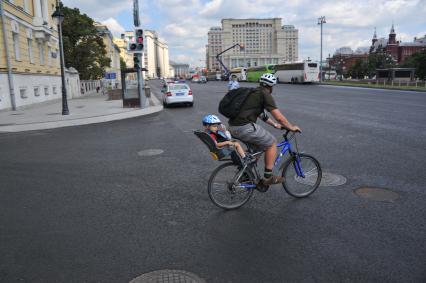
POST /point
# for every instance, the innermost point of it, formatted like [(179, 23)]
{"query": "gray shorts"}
[(253, 134)]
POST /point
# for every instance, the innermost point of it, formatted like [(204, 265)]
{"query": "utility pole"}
[(136, 22), (329, 66), (321, 21)]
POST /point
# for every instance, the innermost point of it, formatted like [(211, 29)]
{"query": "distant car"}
[(202, 80), (177, 93)]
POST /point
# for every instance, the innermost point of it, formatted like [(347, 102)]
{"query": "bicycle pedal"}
[(262, 188)]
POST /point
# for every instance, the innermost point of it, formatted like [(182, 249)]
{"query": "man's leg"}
[(270, 155)]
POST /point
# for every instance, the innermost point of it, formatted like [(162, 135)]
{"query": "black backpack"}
[(231, 103)]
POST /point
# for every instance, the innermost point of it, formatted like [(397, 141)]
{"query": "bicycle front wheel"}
[(302, 175), (227, 192)]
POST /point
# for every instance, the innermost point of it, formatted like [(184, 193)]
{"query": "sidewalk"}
[(86, 110)]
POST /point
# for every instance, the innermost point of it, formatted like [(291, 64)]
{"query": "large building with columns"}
[(265, 41), (29, 53)]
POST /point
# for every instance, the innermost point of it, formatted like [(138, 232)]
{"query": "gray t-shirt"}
[(258, 100)]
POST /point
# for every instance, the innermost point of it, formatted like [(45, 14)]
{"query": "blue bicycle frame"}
[(286, 146)]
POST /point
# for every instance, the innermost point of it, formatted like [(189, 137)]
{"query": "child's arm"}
[(220, 144)]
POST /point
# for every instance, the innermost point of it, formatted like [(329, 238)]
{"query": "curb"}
[(372, 87), (86, 120)]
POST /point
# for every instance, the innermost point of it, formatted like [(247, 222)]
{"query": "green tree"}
[(358, 70), (84, 48), (379, 60), (418, 61)]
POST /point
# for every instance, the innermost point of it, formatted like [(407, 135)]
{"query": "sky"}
[(184, 24)]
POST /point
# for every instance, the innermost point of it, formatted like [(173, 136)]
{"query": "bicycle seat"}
[(215, 152)]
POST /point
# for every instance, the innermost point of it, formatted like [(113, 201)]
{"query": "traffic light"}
[(137, 45), (136, 61), (131, 46), (139, 39)]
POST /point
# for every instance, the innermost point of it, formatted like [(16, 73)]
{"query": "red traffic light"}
[(139, 39)]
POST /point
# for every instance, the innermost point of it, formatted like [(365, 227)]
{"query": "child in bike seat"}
[(222, 139)]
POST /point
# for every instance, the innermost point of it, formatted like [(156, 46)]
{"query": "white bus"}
[(240, 72), (302, 72)]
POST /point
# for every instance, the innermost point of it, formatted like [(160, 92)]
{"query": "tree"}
[(84, 48), (379, 60), (358, 70), (418, 61)]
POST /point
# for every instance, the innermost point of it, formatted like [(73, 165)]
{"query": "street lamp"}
[(321, 21), (58, 16), (329, 66)]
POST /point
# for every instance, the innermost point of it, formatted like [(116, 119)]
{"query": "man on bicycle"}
[(244, 127)]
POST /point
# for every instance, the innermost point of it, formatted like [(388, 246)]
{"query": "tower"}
[(373, 41), (392, 36), (392, 46)]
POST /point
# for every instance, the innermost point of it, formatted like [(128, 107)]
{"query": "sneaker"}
[(262, 187), (272, 180), (248, 159)]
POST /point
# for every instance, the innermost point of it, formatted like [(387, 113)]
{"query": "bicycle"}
[(232, 184)]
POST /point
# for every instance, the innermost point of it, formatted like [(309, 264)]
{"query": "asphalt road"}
[(84, 204)]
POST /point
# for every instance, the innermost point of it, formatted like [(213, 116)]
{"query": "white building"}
[(265, 41), (213, 48)]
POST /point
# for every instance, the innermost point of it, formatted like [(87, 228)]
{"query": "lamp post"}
[(329, 66), (321, 21), (58, 16)]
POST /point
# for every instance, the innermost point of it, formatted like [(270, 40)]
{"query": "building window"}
[(54, 90), (46, 90), (30, 50), (23, 92), (26, 6), (41, 53), (16, 46), (36, 91)]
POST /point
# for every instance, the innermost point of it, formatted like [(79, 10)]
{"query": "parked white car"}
[(179, 93)]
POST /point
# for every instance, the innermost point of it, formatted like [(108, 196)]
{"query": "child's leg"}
[(240, 150)]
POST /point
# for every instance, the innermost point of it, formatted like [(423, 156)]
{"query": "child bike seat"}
[(215, 152)]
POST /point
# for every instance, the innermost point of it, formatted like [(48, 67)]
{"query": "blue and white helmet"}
[(268, 79), (211, 119)]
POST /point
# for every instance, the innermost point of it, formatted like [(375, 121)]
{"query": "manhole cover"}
[(377, 194), (17, 114), (80, 106), (328, 179), (169, 276), (150, 152)]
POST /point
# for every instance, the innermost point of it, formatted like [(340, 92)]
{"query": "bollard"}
[(147, 91)]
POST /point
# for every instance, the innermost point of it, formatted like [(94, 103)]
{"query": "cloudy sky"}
[(184, 24)]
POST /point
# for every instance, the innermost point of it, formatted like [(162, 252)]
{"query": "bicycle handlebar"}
[(287, 131)]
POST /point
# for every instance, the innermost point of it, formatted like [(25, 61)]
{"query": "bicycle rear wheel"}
[(302, 175), (222, 189)]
